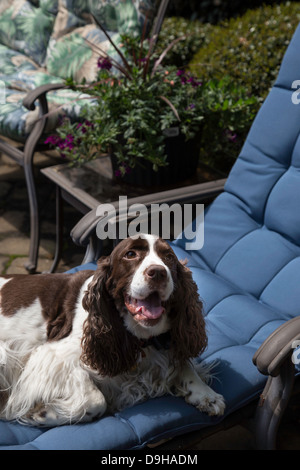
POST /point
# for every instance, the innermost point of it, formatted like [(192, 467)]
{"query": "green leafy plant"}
[(230, 113), (131, 111)]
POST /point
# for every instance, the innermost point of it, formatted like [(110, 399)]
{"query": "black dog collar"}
[(162, 341)]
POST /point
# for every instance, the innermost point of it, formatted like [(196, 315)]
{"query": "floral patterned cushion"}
[(16, 121), (45, 41), (20, 72), (18, 75), (27, 28), (77, 42)]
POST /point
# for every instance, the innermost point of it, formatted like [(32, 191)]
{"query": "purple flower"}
[(182, 75), (185, 78), (48, 140), (56, 141), (231, 136), (53, 140), (84, 127), (191, 106), (69, 141), (123, 170), (89, 124), (61, 144), (194, 82), (104, 63)]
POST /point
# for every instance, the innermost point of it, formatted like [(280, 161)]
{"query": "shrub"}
[(249, 49), (228, 110), (213, 11), (228, 118), (197, 36)]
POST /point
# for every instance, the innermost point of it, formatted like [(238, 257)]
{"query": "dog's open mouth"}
[(149, 308)]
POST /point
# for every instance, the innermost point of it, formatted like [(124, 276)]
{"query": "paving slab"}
[(5, 187), (11, 173), (19, 245), (3, 262), (11, 221), (17, 265)]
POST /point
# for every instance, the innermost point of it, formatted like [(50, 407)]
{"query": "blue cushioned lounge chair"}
[(248, 275)]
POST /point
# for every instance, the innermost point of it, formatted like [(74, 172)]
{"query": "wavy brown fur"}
[(188, 327), (107, 345)]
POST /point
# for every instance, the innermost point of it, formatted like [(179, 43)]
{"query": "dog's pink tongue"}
[(151, 306)]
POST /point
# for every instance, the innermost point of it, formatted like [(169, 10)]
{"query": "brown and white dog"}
[(73, 346)]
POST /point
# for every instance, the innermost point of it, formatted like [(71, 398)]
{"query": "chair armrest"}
[(277, 348), (40, 92), (82, 231)]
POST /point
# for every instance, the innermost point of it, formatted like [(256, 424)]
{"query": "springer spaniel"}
[(73, 346)]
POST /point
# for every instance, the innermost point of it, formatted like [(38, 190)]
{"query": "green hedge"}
[(247, 51), (197, 36), (213, 11)]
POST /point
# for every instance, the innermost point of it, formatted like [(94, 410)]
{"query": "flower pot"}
[(182, 158)]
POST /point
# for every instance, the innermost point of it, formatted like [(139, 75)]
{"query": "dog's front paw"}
[(42, 415), (207, 401)]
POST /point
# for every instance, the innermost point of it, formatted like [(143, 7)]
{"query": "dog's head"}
[(140, 291)]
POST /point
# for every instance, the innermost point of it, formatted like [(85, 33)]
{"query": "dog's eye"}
[(130, 254), (169, 256)]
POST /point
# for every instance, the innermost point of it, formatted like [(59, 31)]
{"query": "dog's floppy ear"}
[(188, 333), (107, 346)]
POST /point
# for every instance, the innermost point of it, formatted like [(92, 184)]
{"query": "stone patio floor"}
[(15, 221), (14, 246)]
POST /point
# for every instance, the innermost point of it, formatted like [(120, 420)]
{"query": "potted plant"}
[(145, 116)]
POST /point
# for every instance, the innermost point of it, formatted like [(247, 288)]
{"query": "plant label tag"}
[(171, 132)]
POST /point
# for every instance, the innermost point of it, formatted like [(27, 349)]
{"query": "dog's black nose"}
[(155, 272)]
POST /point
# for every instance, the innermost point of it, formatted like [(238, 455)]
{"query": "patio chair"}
[(248, 275), (35, 61)]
